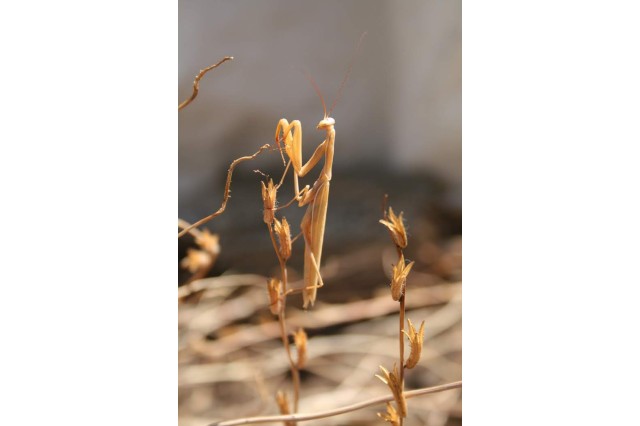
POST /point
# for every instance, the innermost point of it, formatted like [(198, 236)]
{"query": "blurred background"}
[(398, 132)]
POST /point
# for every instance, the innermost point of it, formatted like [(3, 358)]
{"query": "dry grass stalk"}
[(416, 340), (196, 82), (279, 291), (395, 225)]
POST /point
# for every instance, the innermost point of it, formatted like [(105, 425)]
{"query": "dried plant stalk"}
[(393, 380), (283, 251), (196, 82), (227, 189), (395, 225)]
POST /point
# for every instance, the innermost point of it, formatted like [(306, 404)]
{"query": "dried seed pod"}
[(283, 402), (284, 237), (300, 339), (391, 416), (269, 200), (396, 227), (208, 241), (399, 279), (416, 339), (393, 381), (274, 286), (283, 406), (196, 260)]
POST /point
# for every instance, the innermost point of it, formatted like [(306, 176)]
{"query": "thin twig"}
[(401, 333), (227, 187), (295, 373), (183, 224), (401, 324), (401, 316), (196, 82), (336, 411)]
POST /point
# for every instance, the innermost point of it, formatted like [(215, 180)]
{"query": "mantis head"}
[(326, 123)]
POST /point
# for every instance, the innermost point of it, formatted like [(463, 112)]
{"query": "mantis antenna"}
[(342, 84), (346, 76), (317, 89)]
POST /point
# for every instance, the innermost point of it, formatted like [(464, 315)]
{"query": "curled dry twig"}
[(337, 411), (227, 187), (196, 82)]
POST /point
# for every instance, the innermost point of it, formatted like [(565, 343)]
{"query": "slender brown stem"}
[(401, 330), (336, 411), (195, 232), (295, 373), (227, 188), (196, 82), (401, 337)]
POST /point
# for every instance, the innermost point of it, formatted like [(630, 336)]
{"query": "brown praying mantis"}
[(316, 197)]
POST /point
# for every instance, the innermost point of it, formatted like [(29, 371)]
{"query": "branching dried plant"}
[(395, 380), (227, 191), (279, 289), (199, 262)]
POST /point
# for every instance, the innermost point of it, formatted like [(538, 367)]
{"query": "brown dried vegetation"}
[(222, 347)]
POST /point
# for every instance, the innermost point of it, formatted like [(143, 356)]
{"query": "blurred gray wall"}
[(400, 109)]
